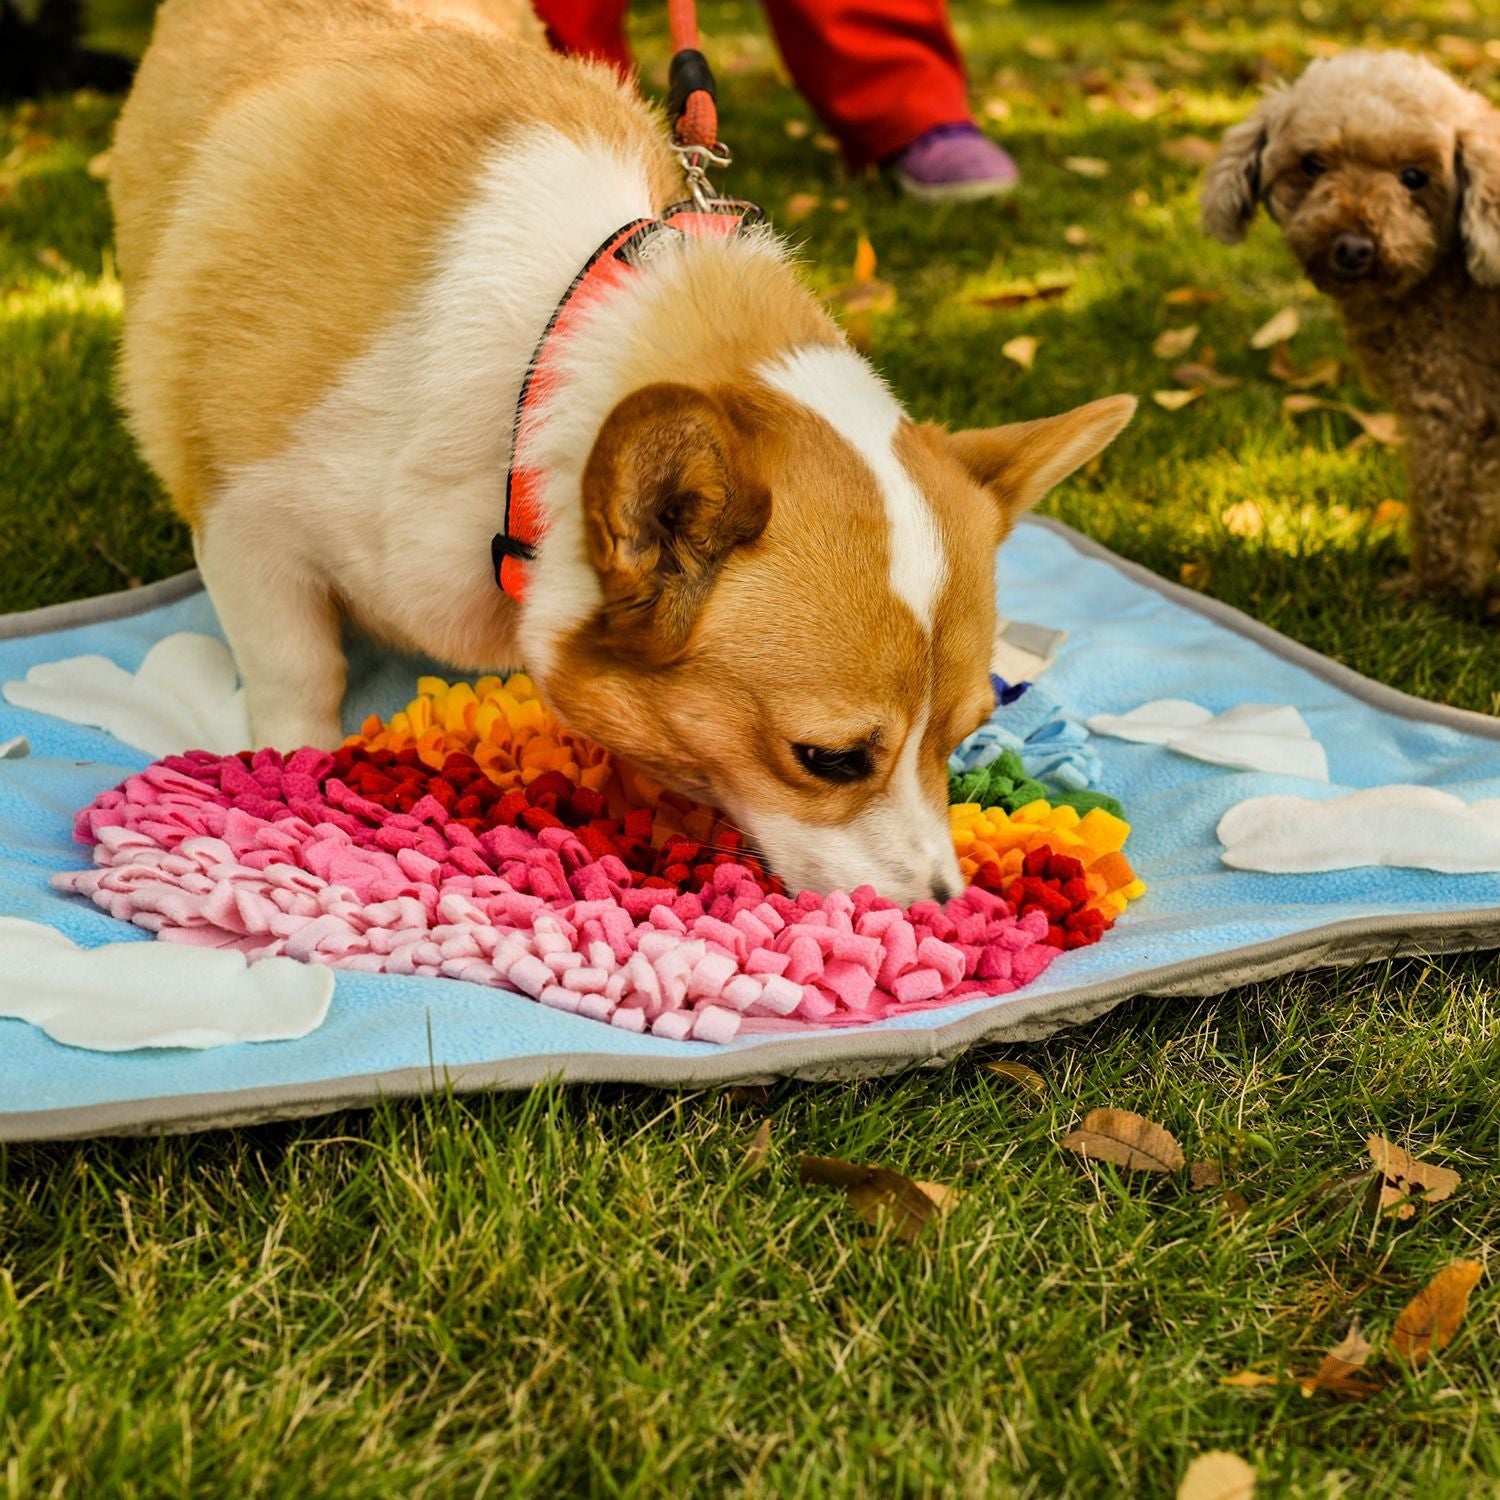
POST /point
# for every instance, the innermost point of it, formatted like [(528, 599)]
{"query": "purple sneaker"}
[(953, 163)]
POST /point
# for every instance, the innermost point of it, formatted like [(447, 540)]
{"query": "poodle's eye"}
[(1313, 165), (1413, 178), (837, 766)]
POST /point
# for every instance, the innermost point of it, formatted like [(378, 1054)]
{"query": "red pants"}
[(878, 72)]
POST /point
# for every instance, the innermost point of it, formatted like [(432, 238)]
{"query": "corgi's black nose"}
[(1353, 255)]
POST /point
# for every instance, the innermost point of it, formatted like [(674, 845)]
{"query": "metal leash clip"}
[(695, 161)]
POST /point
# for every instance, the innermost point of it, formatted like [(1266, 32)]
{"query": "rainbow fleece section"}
[(473, 837)]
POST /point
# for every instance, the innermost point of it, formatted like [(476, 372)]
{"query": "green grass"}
[(570, 1291)]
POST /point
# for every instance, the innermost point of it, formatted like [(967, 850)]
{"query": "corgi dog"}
[(343, 229)]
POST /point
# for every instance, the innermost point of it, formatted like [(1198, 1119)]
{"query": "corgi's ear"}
[(1018, 464), (1232, 184), (667, 495), (1479, 210)]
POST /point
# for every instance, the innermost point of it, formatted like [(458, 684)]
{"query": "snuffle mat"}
[(501, 901)]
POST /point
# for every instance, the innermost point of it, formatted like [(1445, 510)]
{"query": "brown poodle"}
[(1384, 175)]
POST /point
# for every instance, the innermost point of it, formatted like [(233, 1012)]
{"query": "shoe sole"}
[(954, 192)]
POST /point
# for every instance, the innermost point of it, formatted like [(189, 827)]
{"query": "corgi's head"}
[(797, 610)]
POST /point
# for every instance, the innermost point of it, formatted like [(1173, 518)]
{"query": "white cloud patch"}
[(1271, 737), (1412, 827), (186, 696), (125, 996)]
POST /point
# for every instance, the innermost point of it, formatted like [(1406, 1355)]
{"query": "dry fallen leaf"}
[(1173, 343), (1232, 1200), (1202, 1174), (1249, 1380), (1019, 293), (880, 1196), (1217, 1476), (864, 293), (1021, 349), (1198, 373), (1193, 150), (1175, 400), (1388, 513), (995, 108), (799, 205), (1343, 1372), (1087, 166), (1429, 1321), (756, 1152), (1019, 1074), (1127, 1139), (1076, 236), (1192, 296), (1376, 426), (1404, 1176), (1244, 518), (1324, 370), (1278, 330)]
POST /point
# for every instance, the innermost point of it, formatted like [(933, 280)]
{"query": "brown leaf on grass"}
[(1021, 350), (1428, 1322), (1244, 518), (864, 292), (1077, 236), (1234, 1203), (757, 1151), (1324, 370), (1192, 296), (1249, 1380), (1191, 150), (1198, 373), (1342, 1372), (1388, 513), (1375, 426), (1019, 293), (995, 108), (1404, 1176), (1217, 1476), (1277, 330), (799, 205), (1127, 1139), (1087, 166), (1203, 1174), (1027, 1079), (880, 1196), (1173, 343), (1175, 400)]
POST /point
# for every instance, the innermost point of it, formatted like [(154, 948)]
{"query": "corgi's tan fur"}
[(342, 226)]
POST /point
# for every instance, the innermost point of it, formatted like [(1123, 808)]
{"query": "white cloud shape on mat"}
[(186, 696), (1413, 827), (125, 996), (1271, 737)]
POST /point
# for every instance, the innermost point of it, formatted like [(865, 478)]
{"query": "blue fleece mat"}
[(1131, 638)]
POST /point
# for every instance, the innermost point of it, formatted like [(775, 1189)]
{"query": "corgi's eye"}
[(1313, 165), (1414, 179), (837, 766)]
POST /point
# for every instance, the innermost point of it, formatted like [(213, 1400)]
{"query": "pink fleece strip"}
[(267, 860)]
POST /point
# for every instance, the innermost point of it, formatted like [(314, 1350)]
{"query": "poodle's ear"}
[(1479, 209), (1231, 187)]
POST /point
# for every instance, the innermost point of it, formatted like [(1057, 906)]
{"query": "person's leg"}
[(587, 28), (886, 77)]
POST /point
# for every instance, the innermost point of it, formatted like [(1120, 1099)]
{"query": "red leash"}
[(692, 104)]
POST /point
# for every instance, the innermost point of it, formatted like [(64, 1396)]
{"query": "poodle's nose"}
[(1353, 255)]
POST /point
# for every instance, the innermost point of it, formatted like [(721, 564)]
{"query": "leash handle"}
[(692, 101)]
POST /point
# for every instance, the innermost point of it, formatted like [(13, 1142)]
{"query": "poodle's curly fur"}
[(1384, 175)]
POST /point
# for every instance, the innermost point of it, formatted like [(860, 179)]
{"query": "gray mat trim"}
[(841, 1054)]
